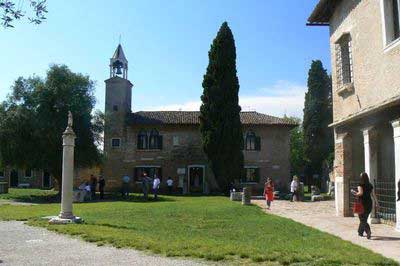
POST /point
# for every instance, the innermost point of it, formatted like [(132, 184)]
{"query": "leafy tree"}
[(34, 116), (220, 124), (9, 11), (297, 161), (318, 137)]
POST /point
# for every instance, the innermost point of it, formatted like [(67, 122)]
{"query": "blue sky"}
[(167, 43)]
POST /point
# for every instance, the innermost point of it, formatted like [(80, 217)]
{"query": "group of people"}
[(146, 183), (89, 188)]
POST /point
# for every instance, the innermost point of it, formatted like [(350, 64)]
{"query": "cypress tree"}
[(318, 137), (220, 124)]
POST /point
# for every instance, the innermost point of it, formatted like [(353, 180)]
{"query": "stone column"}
[(67, 173), (371, 162), (343, 174), (396, 136)]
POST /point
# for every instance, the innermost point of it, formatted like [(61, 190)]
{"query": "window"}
[(175, 140), (1, 173), (391, 20), (154, 140), (150, 170), (142, 140), (115, 143), (115, 108), (28, 173), (252, 143), (344, 60), (252, 175)]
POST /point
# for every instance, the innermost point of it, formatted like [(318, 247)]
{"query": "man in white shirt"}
[(170, 185), (294, 187), (156, 186)]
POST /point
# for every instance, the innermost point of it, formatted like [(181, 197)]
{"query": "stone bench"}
[(24, 185), (317, 198)]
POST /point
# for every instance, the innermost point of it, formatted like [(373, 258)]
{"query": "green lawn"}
[(212, 228)]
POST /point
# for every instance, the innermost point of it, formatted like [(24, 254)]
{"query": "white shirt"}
[(293, 186), (156, 183), (170, 182), (87, 188)]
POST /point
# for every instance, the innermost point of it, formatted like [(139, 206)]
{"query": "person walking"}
[(156, 186), (125, 186), (269, 192), (170, 185), (364, 192), (102, 184), (93, 185), (293, 188), (145, 185)]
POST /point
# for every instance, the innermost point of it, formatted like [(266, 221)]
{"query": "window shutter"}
[(160, 142), (258, 144)]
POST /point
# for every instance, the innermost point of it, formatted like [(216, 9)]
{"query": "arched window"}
[(253, 143), (154, 140), (142, 140)]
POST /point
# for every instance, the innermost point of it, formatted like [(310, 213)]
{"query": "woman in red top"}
[(269, 192)]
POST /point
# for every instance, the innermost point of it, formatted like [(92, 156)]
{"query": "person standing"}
[(102, 184), (269, 192), (294, 187), (156, 186), (93, 185), (364, 192), (170, 185), (145, 185), (125, 186)]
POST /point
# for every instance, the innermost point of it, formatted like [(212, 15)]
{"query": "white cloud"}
[(281, 98)]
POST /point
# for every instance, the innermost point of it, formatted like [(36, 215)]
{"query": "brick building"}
[(168, 143), (365, 53)]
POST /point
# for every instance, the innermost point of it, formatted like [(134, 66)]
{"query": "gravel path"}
[(322, 215), (24, 245)]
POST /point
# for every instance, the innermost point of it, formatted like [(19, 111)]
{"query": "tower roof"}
[(119, 54)]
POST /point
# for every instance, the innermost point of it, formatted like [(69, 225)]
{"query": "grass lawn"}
[(212, 228)]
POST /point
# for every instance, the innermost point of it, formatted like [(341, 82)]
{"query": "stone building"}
[(168, 143), (28, 178), (365, 53)]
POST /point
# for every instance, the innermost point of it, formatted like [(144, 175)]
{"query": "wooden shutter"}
[(258, 144)]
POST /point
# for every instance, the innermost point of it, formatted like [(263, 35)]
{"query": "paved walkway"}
[(24, 245), (322, 215)]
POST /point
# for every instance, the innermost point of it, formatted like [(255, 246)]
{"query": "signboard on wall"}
[(181, 171)]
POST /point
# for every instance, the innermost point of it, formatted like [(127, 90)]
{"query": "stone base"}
[(58, 220), (374, 220)]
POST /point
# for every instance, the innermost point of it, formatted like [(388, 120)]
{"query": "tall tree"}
[(318, 137), (297, 161), (10, 11), (220, 124), (34, 116)]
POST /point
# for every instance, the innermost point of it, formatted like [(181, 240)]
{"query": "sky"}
[(166, 43)]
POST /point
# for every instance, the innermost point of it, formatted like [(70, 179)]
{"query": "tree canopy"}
[(35, 114), (220, 124), (318, 137), (10, 11)]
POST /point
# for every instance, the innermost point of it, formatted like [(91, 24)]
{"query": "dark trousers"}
[(101, 193), (294, 193), (155, 192), (364, 226), (93, 191), (170, 190)]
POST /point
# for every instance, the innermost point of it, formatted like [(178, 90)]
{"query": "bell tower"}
[(117, 109)]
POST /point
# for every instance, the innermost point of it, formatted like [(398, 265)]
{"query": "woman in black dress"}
[(365, 191)]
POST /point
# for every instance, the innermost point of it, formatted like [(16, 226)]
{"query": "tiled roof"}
[(192, 118), (323, 11)]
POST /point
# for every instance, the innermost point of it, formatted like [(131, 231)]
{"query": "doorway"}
[(14, 178), (46, 180), (196, 179)]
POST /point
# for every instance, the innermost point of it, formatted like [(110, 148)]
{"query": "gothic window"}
[(155, 140), (252, 142), (142, 140), (344, 60)]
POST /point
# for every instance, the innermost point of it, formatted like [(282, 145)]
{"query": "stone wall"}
[(375, 66)]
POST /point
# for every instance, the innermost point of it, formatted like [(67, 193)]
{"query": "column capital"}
[(396, 128)]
